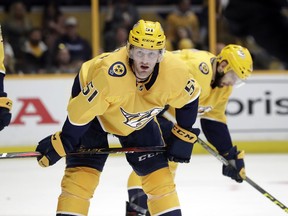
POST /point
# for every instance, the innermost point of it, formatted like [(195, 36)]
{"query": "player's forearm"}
[(2, 75), (217, 133), (186, 116), (72, 132)]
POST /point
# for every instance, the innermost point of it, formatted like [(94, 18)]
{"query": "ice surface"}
[(29, 190)]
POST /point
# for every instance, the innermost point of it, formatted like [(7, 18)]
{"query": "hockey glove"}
[(5, 107), (181, 144), (52, 149), (236, 169)]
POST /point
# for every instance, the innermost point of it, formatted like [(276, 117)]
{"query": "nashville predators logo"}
[(139, 120), (203, 67), (118, 69)]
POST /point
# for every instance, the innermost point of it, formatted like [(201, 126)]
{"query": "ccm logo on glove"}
[(184, 135)]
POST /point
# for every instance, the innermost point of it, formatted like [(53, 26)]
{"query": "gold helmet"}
[(148, 35), (239, 60)]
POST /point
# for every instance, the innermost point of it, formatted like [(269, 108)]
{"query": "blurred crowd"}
[(58, 47), (55, 47)]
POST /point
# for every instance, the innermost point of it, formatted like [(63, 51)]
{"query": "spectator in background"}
[(52, 22), (182, 40), (182, 17), (35, 53), (203, 16), (16, 26), (79, 48), (120, 39), (63, 63), (121, 15), (264, 21), (9, 57)]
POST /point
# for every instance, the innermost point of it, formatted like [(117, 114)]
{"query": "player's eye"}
[(140, 54), (152, 55)]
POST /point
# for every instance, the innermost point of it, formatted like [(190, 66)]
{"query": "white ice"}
[(29, 190)]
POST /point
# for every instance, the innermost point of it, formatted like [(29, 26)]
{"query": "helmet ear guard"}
[(239, 60)]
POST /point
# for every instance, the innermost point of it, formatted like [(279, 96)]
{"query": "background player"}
[(216, 75), (5, 102), (119, 94)]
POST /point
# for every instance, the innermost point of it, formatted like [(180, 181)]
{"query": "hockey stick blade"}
[(248, 180), (148, 149)]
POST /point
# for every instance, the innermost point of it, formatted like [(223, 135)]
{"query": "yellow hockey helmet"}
[(239, 60), (147, 35)]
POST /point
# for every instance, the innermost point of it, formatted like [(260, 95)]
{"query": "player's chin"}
[(144, 74)]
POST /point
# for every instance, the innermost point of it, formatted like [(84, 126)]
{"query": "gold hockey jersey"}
[(212, 102), (110, 92)]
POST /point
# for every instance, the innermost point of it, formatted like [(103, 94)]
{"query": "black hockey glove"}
[(181, 144), (5, 107), (52, 149), (236, 169)]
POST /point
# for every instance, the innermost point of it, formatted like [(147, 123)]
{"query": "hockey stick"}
[(248, 180), (88, 151)]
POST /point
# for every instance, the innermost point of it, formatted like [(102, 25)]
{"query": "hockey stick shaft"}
[(248, 180), (88, 151)]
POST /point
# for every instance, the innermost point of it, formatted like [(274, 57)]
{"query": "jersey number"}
[(190, 87), (90, 92)]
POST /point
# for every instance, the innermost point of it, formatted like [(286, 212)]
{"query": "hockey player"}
[(121, 93), (5, 102), (216, 75)]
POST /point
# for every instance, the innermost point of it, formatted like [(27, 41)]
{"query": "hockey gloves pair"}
[(181, 144), (52, 149), (236, 169), (5, 107)]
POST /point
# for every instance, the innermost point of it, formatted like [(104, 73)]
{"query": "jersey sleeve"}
[(186, 116), (185, 93), (217, 133), (217, 113), (218, 100), (91, 101)]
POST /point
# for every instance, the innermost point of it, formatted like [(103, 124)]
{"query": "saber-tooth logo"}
[(139, 120)]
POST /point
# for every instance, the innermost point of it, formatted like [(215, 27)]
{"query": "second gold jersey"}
[(212, 102)]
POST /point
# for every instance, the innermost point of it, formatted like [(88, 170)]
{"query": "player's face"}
[(144, 61), (230, 78)]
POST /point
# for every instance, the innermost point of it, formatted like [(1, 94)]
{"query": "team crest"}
[(139, 120), (203, 67), (118, 69)]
